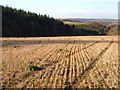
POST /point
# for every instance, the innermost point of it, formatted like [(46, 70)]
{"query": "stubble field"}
[(60, 62)]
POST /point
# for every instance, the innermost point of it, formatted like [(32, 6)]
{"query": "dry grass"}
[(62, 62), (73, 23)]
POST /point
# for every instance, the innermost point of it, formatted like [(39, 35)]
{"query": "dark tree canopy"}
[(19, 23)]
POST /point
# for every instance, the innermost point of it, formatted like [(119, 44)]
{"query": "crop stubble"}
[(84, 61)]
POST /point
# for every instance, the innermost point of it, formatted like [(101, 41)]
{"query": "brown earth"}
[(62, 62)]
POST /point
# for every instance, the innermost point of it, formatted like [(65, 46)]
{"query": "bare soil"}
[(62, 62)]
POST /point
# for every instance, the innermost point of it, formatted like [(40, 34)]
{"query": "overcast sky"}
[(102, 9)]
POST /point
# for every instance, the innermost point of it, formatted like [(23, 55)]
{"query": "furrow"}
[(54, 71), (93, 63)]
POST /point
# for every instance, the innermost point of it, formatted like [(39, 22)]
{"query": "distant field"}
[(60, 62), (72, 23)]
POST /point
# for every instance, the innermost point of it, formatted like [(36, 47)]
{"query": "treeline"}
[(19, 23), (87, 29)]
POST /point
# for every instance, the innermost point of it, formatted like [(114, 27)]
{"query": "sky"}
[(97, 9)]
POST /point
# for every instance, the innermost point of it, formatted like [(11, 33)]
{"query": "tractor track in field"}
[(99, 73), (68, 66), (32, 51), (91, 66), (82, 49), (31, 73), (98, 70), (49, 64), (51, 57), (59, 63), (70, 71), (72, 64), (28, 74)]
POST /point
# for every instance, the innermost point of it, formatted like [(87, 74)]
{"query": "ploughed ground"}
[(60, 62)]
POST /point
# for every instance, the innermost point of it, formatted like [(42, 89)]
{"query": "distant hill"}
[(105, 26), (19, 23), (112, 31), (107, 21)]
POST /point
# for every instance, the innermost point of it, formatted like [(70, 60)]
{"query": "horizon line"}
[(56, 17)]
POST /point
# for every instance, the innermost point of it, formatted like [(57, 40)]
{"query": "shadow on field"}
[(30, 42)]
